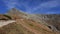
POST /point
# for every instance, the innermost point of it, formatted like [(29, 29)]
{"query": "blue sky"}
[(31, 6)]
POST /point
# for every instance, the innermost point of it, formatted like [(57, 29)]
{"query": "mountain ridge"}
[(26, 24)]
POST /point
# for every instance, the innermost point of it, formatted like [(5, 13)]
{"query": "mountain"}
[(51, 19), (17, 22)]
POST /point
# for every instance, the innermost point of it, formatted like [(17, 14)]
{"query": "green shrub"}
[(8, 16), (31, 24), (3, 19)]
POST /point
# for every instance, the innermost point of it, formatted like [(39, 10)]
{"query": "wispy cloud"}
[(44, 7), (47, 5), (17, 4), (35, 6), (10, 3)]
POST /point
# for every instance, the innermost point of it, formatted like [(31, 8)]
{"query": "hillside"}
[(51, 19), (22, 23)]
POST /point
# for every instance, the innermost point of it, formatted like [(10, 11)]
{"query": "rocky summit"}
[(17, 22)]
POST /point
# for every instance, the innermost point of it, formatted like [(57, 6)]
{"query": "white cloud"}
[(10, 3), (47, 5), (42, 6), (51, 12)]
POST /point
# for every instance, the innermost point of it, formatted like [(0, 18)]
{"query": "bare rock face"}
[(51, 20), (17, 22)]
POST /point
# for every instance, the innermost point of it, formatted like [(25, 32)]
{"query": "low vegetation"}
[(7, 16)]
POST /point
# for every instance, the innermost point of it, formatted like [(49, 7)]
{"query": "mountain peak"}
[(14, 8), (14, 11)]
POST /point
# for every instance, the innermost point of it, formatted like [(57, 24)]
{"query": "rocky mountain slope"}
[(52, 20), (18, 22)]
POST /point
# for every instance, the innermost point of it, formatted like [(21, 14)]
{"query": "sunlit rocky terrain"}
[(18, 22)]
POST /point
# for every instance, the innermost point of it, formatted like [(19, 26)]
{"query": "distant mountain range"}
[(17, 22)]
